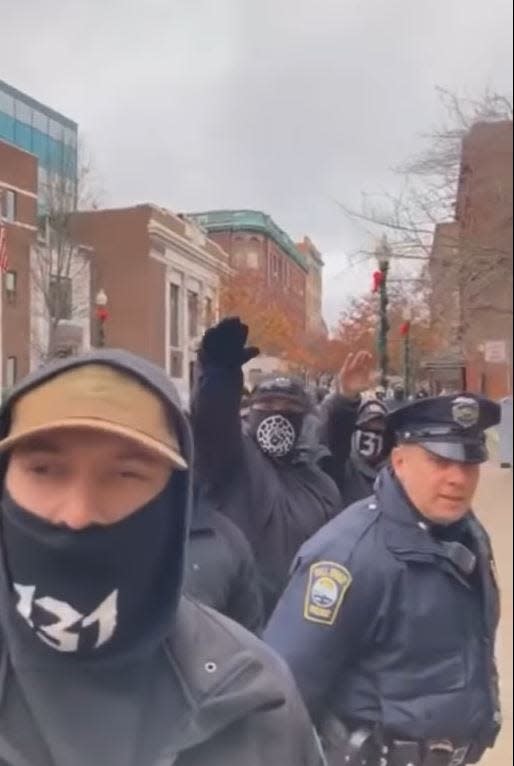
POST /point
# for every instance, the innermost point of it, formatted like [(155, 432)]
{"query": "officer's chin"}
[(449, 511)]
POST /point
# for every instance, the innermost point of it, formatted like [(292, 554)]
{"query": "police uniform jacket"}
[(380, 626)]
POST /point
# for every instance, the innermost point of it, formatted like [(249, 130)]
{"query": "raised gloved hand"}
[(225, 344), (356, 374)]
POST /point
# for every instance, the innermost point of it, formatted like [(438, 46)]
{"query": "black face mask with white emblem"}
[(101, 592), (276, 433), (369, 446)]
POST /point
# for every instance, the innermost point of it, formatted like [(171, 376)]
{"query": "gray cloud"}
[(281, 105)]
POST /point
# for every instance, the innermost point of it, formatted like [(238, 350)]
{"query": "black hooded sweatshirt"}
[(194, 689)]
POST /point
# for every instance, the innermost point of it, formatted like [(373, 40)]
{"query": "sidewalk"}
[(494, 507)]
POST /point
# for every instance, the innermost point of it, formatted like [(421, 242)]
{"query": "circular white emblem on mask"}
[(276, 436), (325, 592)]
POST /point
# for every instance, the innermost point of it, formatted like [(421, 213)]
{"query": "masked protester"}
[(355, 432), (359, 441), (221, 570), (263, 475), (398, 399), (102, 661)]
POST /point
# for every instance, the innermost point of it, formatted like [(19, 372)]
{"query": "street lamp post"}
[(383, 254), (405, 332), (102, 315)]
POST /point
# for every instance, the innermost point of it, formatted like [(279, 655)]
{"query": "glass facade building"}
[(36, 128)]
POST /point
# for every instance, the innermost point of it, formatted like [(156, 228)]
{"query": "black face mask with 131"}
[(100, 592)]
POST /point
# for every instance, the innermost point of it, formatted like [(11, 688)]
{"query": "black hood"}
[(154, 378)]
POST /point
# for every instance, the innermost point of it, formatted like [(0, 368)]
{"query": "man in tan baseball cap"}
[(101, 659), (98, 398)]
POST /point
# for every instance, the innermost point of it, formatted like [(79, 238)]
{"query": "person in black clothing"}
[(103, 661), (398, 398), (221, 570), (359, 441), (259, 473), (354, 431), (390, 618)]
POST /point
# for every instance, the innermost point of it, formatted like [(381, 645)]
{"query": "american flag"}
[(4, 258)]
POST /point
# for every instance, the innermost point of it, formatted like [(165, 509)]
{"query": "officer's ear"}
[(398, 459)]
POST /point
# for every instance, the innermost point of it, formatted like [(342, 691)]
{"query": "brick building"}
[(253, 240), (161, 276), (38, 161), (484, 212), (315, 324), (471, 262), (18, 211)]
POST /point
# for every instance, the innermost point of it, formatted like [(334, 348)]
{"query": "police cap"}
[(452, 427)]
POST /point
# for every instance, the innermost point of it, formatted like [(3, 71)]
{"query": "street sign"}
[(495, 352)]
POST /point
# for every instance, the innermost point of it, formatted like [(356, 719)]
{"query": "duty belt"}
[(363, 747), (432, 753)]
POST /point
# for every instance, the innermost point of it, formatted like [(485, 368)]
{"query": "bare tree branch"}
[(59, 262)]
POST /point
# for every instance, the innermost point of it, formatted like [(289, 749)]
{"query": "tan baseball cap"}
[(101, 398)]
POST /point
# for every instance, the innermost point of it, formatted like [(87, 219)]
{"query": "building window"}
[(40, 121), (176, 364), (193, 314), (11, 286), (55, 129), (60, 297), (6, 104), (11, 371), (209, 313), (9, 205), (174, 298)]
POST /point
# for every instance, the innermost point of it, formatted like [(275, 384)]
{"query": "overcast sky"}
[(277, 105)]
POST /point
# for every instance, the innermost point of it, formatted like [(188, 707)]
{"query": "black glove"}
[(224, 345)]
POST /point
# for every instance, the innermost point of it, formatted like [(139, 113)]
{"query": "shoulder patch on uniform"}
[(326, 589)]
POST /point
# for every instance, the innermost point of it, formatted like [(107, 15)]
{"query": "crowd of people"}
[(262, 580)]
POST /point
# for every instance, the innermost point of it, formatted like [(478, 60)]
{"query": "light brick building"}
[(315, 324), (161, 276)]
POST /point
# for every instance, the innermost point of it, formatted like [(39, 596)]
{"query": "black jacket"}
[(221, 570), (355, 479), (208, 693), (277, 504), (407, 641)]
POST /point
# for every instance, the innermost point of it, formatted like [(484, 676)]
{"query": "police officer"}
[(390, 617), (261, 473), (102, 661)]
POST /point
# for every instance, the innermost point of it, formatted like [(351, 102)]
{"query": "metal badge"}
[(465, 411)]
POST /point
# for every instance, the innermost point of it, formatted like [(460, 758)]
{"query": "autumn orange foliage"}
[(272, 326), (246, 294), (358, 326)]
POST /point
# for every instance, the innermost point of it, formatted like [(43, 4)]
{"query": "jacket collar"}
[(407, 535), (222, 681)]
